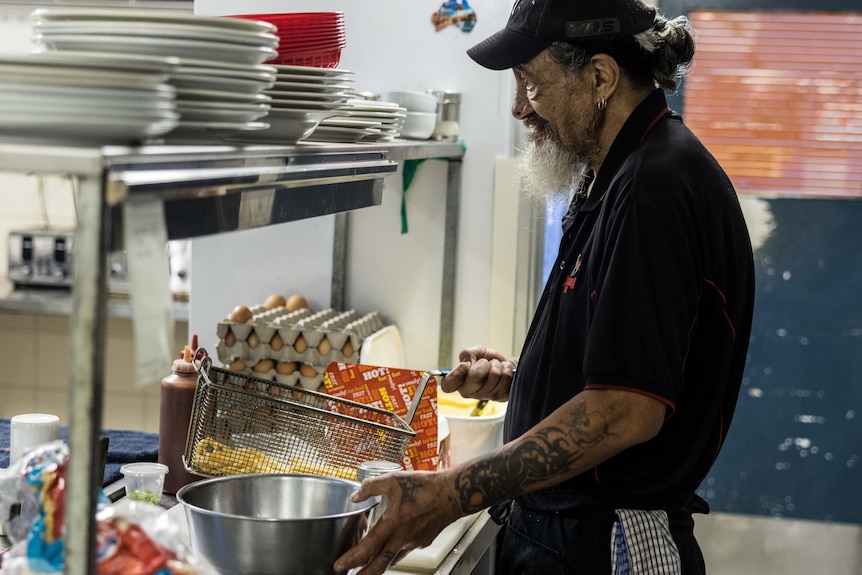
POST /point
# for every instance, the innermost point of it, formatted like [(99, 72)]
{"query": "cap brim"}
[(506, 49)]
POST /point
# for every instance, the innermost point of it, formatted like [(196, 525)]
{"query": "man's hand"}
[(418, 506), (482, 374)]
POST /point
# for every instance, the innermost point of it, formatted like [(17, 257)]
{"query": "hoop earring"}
[(602, 104)]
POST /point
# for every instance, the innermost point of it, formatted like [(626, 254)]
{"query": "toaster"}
[(42, 256)]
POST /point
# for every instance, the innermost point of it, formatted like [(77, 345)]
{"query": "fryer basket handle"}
[(420, 391)]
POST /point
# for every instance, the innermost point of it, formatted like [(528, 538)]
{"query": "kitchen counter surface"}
[(58, 301)]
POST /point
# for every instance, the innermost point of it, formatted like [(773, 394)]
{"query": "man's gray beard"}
[(548, 172)]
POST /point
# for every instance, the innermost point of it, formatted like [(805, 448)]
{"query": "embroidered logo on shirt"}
[(572, 279)]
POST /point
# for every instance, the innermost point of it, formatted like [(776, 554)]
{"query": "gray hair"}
[(659, 56)]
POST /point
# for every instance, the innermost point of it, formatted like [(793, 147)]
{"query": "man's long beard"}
[(549, 170)]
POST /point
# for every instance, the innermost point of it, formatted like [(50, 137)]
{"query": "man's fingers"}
[(455, 378)]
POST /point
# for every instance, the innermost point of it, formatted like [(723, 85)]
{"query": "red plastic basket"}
[(312, 59)]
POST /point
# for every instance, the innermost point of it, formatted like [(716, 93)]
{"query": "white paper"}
[(146, 239)]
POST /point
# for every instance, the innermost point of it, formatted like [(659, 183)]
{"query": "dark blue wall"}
[(795, 444)]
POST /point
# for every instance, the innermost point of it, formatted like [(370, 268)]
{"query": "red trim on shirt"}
[(653, 123), (663, 400), (724, 309)]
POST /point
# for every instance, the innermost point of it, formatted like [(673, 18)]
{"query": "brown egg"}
[(240, 314), (296, 302), (236, 365), (229, 339), (276, 343), (253, 340), (307, 370), (300, 345), (347, 349), (263, 366), (285, 367), (274, 301), (324, 346)]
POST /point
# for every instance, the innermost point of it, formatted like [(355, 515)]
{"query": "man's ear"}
[(605, 75)]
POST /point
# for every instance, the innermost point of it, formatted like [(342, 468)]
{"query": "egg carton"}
[(315, 338), (295, 378)]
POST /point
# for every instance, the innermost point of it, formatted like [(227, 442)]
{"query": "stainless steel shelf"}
[(58, 302), (204, 190)]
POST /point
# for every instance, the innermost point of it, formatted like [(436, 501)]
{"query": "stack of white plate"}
[(220, 75), (85, 99), (301, 98), (361, 120)]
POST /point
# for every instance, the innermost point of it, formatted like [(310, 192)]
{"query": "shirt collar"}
[(634, 130)]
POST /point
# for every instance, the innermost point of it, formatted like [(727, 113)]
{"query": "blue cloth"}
[(124, 446)]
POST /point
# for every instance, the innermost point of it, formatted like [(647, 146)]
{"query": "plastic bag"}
[(133, 538)]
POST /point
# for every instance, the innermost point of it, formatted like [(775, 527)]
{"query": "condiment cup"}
[(144, 481)]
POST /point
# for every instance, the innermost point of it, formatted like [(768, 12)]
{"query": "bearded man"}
[(629, 375)]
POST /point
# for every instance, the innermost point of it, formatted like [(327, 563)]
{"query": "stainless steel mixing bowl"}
[(274, 524)]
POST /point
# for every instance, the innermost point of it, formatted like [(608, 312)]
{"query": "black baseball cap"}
[(535, 24)]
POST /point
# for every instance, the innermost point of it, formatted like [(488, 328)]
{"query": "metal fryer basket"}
[(242, 424)]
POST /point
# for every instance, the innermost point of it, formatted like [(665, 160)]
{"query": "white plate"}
[(211, 131), (70, 76), (312, 87), (222, 97), (233, 85), (80, 130), (278, 102), (157, 93), (127, 14), (95, 61), (310, 96), (198, 49), (383, 116), (283, 131), (210, 115), (314, 80), (250, 73), (312, 71), (35, 113), (156, 30), (219, 67), (342, 122), (47, 102)]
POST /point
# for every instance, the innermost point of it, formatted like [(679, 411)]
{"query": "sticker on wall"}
[(454, 13)]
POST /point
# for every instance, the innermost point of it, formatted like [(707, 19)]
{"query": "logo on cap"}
[(588, 28)]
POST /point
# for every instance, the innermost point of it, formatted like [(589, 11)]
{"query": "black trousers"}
[(557, 543)]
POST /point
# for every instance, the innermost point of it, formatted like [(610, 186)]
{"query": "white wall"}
[(391, 45)]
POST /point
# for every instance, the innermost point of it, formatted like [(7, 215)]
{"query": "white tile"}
[(17, 351), (17, 400), (123, 411), (54, 401)]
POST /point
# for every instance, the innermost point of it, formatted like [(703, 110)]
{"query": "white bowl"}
[(418, 125), (413, 101)]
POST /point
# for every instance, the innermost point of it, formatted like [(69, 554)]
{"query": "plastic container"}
[(175, 413), (471, 435), (144, 481)]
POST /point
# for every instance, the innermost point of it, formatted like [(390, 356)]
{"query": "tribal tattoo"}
[(548, 453)]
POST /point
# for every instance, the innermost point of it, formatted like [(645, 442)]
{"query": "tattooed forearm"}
[(549, 452)]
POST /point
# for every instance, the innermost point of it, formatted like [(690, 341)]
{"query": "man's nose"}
[(521, 107)]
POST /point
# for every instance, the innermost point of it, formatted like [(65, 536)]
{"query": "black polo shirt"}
[(652, 291)]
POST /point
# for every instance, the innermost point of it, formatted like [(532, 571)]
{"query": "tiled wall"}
[(34, 372)]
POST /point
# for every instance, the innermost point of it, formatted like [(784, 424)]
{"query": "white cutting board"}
[(430, 557), (427, 558)]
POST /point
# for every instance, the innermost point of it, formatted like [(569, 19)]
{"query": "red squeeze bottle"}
[(175, 413)]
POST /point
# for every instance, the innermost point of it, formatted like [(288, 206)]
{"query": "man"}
[(629, 375)]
